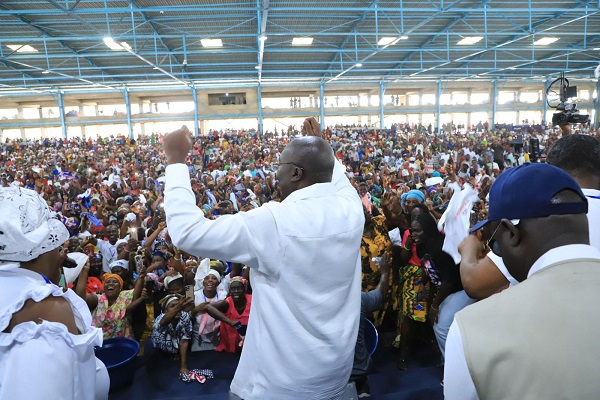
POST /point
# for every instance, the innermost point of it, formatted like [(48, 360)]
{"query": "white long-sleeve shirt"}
[(304, 255)]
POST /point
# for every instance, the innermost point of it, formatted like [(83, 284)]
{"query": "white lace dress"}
[(43, 360)]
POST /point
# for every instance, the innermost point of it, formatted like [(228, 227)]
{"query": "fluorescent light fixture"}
[(111, 44), (22, 48), (596, 48), (403, 37), (45, 71), (545, 41), (386, 40), (211, 42), (302, 41), (468, 40), (358, 65)]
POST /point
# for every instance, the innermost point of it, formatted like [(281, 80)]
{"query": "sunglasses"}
[(492, 243)]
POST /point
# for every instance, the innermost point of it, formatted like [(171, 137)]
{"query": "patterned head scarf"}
[(28, 228), (243, 281)]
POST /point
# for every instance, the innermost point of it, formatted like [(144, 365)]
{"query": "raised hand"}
[(310, 127), (177, 145)]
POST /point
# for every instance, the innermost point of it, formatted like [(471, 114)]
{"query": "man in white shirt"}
[(517, 344), (579, 156), (305, 269)]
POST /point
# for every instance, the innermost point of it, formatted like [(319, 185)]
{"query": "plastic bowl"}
[(119, 355)]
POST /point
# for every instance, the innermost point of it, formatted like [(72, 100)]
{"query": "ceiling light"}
[(257, 67), (386, 40), (211, 42), (358, 65), (302, 41), (512, 68), (262, 38), (596, 48), (22, 48), (468, 40), (545, 41), (403, 37), (111, 44), (45, 71), (226, 94)]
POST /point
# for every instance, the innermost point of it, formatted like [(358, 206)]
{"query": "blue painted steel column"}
[(494, 103), (128, 109), (259, 105), (381, 105), (545, 98), (61, 110), (322, 104), (438, 102), (597, 106), (196, 123)]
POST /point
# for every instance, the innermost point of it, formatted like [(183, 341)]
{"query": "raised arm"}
[(241, 237)]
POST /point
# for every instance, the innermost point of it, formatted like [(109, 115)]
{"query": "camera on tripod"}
[(569, 114)]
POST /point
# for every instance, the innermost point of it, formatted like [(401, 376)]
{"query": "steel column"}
[(381, 105), (438, 97), (128, 108), (494, 102), (322, 104), (597, 106), (196, 123), (545, 99), (61, 110), (259, 106)]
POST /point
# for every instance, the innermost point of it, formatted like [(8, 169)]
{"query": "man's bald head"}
[(304, 162)]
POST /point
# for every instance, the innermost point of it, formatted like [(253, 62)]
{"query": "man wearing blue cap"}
[(517, 344)]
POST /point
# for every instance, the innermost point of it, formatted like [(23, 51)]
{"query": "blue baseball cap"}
[(526, 191)]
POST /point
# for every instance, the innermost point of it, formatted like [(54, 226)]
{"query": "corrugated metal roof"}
[(68, 38)]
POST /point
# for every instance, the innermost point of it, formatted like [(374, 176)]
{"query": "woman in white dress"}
[(42, 328)]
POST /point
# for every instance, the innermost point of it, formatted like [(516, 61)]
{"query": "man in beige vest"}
[(539, 339)]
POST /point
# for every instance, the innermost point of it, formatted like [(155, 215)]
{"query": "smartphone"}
[(189, 291)]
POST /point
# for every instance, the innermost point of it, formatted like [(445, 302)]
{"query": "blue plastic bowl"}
[(119, 355)]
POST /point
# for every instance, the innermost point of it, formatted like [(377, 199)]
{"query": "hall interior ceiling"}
[(98, 45)]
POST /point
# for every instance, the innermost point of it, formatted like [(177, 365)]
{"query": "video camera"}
[(569, 114)]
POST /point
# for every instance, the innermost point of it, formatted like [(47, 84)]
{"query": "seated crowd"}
[(137, 284)]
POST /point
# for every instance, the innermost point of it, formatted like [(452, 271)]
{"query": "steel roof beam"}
[(518, 38), (444, 30), (292, 10), (262, 33), (49, 36), (155, 30), (349, 35), (422, 23)]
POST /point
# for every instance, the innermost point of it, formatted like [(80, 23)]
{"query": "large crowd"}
[(109, 194)]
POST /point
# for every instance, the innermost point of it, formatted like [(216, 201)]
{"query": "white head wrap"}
[(119, 263), (28, 228), (214, 273), (172, 278)]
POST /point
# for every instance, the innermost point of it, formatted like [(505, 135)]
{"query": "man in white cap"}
[(41, 326)]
